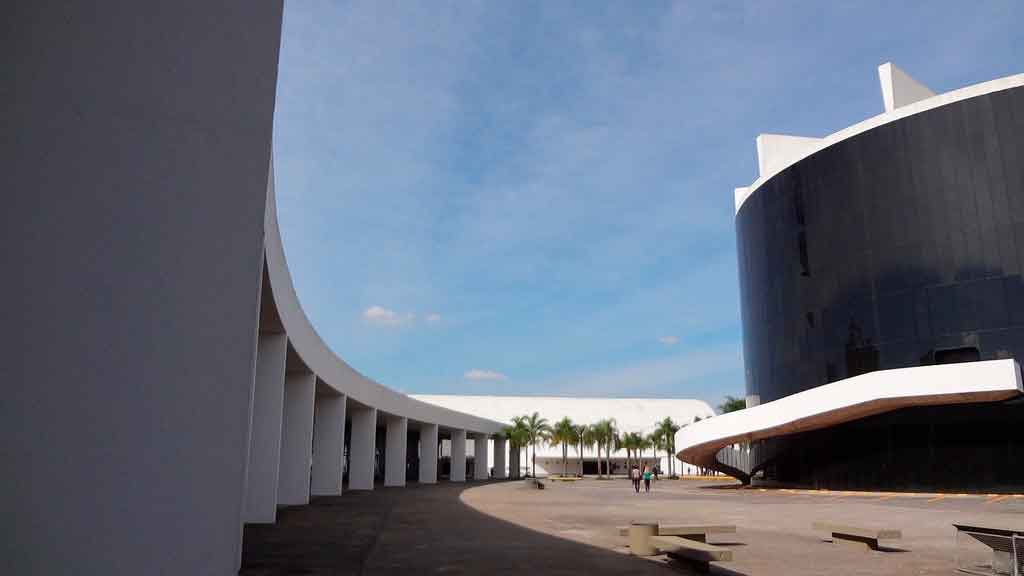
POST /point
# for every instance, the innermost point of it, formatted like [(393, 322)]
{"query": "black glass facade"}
[(901, 246)]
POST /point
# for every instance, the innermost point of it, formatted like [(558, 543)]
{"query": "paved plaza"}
[(569, 528)]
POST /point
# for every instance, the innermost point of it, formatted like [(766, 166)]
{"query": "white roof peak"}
[(899, 89)]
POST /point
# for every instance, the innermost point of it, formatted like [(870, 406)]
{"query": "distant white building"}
[(630, 414)]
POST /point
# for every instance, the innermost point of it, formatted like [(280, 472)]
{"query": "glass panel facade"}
[(901, 246), (888, 248)]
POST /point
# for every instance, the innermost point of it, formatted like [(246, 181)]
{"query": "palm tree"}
[(658, 443), (607, 437), (538, 429), (580, 430), (563, 433), (591, 437), (667, 428), (631, 442), (518, 437), (645, 443)]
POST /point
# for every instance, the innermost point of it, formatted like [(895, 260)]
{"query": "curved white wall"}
[(327, 366), (810, 146)]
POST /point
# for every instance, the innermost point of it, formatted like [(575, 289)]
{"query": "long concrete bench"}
[(698, 532), (856, 535), (698, 554)]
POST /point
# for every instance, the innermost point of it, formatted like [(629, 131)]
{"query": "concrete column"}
[(296, 439), (328, 445), (265, 437), (499, 447), (428, 453), (458, 459), (480, 457), (362, 448), (395, 450)]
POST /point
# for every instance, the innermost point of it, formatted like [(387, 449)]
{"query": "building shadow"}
[(421, 530)]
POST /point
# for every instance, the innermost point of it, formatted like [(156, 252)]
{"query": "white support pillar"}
[(499, 447), (362, 448), (480, 457), (428, 453), (328, 445), (458, 459), (265, 438), (395, 451), (296, 439)]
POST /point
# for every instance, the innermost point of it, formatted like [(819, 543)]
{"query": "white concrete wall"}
[(362, 447), (296, 439), (395, 451), (328, 445), (131, 133), (631, 415), (428, 453), (265, 437), (913, 101), (481, 458), (458, 456)]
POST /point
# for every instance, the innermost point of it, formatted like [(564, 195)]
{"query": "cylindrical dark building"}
[(897, 243)]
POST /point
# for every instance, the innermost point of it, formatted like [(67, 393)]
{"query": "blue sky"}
[(536, 197)]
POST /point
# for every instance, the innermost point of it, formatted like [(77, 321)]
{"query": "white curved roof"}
[(328, 367), (851, 399), (630, 414), (901, 93)]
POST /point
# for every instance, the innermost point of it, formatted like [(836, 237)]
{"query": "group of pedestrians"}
[(636, 476)]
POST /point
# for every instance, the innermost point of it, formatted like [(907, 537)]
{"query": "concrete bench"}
[(1001, 541), (856, 535), (697, 532), (698, 554)]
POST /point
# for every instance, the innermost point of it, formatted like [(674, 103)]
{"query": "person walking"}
[(634, 476), (647, 479)]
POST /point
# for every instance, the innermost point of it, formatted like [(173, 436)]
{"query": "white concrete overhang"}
[(851, 399), (902, 97), (331, 370)]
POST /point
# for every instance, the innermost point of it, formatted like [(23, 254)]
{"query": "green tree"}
[(581, 432), (538, 429), (731, 404), (590, 438), (563, 433), (606, 436), (667, 429), (631, 441), (518, 438), (657, 440)]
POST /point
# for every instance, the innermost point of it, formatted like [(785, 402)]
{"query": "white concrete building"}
[(630, 414)]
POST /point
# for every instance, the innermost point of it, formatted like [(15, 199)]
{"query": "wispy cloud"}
[(680, 375), (433, 318), (380, 316), (669, 340), (484, 375)]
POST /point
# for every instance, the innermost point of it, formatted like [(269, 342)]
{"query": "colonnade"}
[(306, 436)]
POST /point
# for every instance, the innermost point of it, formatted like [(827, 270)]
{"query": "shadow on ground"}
[(418, 530)]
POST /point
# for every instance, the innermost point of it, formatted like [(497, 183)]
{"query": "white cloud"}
[(477, 374), (380, 316), (669, 340), (433, 318)]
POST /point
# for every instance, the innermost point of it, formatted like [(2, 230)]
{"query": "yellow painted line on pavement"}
[(937, 498), (992, 499)]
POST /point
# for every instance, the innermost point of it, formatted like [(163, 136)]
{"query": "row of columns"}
[(297, 440)]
